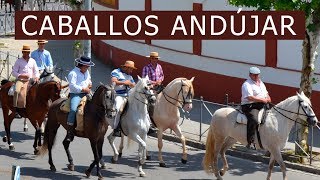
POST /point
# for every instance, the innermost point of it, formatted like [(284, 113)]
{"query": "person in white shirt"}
[(254, 96), (80, 85)]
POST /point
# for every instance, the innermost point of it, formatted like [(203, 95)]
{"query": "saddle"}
[(261, 114), (65, 107)]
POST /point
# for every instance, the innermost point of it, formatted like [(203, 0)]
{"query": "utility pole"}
[(87, 43)]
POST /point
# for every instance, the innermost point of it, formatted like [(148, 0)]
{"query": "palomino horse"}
[(96, 111), (36, 107), (224, 132), (135, 120), (177, 94)]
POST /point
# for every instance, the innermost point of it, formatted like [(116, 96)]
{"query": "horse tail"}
[(208, 157), (44, 148)]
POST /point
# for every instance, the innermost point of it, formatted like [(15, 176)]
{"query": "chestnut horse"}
[(96, 112), (36, 107)]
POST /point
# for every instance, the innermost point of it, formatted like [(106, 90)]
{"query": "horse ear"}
[(302, 93), (139, 77), (147, 77), (101, 83), (113, 85), (191, 80)]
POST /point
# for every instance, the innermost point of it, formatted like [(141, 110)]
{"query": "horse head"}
[(47, 72), (306, 108), (143, 87), (180, 92), (104, 97)]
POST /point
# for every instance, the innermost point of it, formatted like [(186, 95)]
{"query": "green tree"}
[(309, 45)]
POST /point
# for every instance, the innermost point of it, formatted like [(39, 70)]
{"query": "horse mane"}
[(182, 79), (4, 81)]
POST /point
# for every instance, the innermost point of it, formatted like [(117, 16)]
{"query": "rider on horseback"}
[(24, 69), (80, 85), (42, 56), (254, 96), (155, 74), (124, 82)]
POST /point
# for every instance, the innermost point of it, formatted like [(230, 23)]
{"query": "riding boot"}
[(152, 128), (70, 133), (117, 131)]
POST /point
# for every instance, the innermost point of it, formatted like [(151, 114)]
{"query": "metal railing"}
[(6, 24), (7, 60)]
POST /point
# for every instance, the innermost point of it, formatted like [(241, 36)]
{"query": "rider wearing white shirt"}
[(254, 96)]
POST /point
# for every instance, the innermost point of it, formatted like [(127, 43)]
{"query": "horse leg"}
[(25, 127), (121, 145), (100, 145), (43, 125), (177, 130), (66, 148), (111, 138), (96, 160), (227, 144), (271, 164), (7, 124), (160, 145), (278, 157), (141, 152), (218, 145)]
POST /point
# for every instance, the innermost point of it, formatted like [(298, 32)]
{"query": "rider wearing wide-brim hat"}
[(24, 69), (42, 56), (80, 85), (123, 83)]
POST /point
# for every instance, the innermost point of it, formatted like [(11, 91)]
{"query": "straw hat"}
[(42, 41), (129, 64), (85, 61), (26, 48), (154, 55)]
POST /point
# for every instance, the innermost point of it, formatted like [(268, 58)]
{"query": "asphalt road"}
[(33, 167)]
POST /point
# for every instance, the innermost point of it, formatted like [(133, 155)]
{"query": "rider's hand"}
[(86, 90), (127, 82), (36, 79)]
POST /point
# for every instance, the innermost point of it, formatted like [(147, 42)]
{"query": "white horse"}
[(135, 121), (177, 94), (224, 132)]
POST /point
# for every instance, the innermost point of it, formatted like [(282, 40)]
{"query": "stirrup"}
[(251, 146), (116, 133), (70, 136), (152, 130)]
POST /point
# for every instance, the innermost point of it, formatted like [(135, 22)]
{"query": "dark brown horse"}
[(96, 111), (37, 107)]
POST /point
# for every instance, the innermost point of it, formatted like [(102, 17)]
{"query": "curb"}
[(256, 156)]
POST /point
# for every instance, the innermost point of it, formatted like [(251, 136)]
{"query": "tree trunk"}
[(309, 55)]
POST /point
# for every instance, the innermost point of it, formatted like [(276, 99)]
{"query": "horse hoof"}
[(162, 164), (36, 152), (120, 155), (25, 129), (104, 166), (184, 161), (113, 161), (4, 139), (11, 147), (52, 168), (148, 158), (142, 174), (100, 177), (88, 173), (71, 167), (221, 172)]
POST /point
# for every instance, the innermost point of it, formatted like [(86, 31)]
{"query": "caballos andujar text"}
[(160, 25)]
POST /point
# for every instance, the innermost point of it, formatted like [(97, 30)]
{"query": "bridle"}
[(185, 100), (297, 113), (147, 93)]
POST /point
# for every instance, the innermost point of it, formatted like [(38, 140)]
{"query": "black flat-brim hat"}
[(85, 61)]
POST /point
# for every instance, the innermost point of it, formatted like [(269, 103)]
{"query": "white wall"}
[(218, 5), (131, 5), (250, 51), (289, 54), (179, 45), (172, 5)]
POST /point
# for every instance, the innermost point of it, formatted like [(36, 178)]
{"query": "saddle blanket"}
[(65, 107)]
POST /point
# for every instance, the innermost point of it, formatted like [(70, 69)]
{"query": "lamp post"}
[(87, 43)]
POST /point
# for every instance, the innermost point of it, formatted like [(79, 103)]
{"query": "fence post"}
[(311, 145), (201, 106), (227, 100), (8, 63)]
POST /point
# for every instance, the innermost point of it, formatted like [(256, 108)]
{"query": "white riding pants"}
[(119, 102)]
